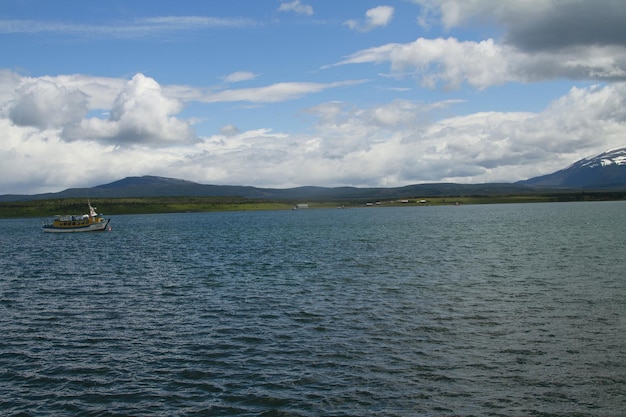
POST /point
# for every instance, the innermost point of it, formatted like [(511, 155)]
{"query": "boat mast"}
[(92, 212)]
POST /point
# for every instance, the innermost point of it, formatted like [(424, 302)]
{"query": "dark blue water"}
[(496, 310)]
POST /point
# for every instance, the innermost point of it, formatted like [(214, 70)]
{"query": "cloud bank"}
[(388, 144), (451, 63)]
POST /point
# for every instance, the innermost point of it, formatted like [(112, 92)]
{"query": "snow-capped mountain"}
[(606, 170), (612, 157)]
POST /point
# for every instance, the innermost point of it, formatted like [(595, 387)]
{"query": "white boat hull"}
[(95, 227)]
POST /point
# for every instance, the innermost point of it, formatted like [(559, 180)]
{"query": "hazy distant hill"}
[(604, 171), (151, 186)]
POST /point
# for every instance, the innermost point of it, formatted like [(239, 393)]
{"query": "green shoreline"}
[(153, 205)]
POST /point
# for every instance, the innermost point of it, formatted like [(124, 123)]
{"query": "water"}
[(495, 310)]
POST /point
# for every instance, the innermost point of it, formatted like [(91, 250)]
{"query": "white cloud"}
[(450, 61), (138, 28), (486, 63), (296, 6), (100, 92), (239, 76), (141, 113), (229, 130), (272, 93), (9, 83), (379, 16), (189, 22), (374, 18), (44, 104)]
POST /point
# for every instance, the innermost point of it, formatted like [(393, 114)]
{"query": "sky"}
[(286, 93)]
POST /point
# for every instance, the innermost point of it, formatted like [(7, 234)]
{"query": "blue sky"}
[(306, 92)]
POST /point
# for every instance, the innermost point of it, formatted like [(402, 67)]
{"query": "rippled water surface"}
[(494, 310)]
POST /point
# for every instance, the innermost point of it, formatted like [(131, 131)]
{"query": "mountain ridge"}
[(151, 186), (605, 171)]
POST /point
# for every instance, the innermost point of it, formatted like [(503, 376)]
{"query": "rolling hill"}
[(152, 186)]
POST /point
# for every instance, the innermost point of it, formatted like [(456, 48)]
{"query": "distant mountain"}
[(145, 181), (604, 171), (151, 186)]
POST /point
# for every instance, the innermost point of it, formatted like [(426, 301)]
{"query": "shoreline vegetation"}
[(155, 205)]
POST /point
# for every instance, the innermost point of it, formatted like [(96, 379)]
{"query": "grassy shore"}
[(114, 206)]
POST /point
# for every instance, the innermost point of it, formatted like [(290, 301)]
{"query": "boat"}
[(91, 222)]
